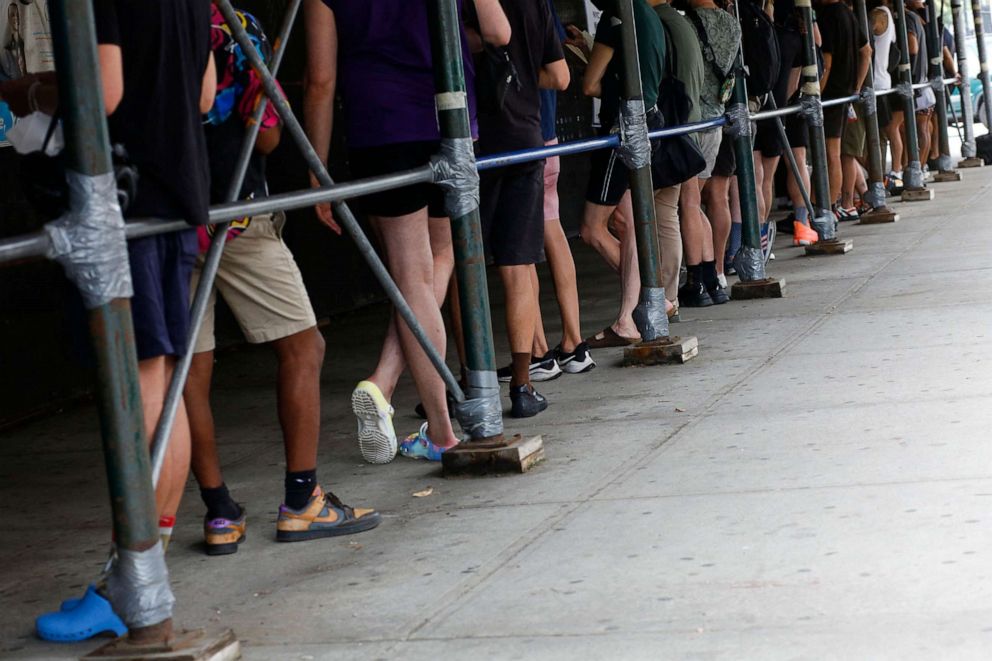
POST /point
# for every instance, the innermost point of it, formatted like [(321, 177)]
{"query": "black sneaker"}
[(784, 226), (718, 295), (694, 295), (577, 362), (526, 402), (542, 368)]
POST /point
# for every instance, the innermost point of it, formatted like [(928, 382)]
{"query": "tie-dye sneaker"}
[(323, 516), (419, 446), (222, 536)]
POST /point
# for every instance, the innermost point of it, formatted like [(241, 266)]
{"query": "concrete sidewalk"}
[(813, 486)]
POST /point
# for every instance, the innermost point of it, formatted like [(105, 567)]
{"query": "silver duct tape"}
[(138, 587), (825, 226), (944, 163), (811, 109), (480, 415), (937, 84), (738, 121), (650, 316), (635, 147), (968, 149), (875, 195), (89, 240), (455, 172), (749, 264), (913, 176), (905, 90), (869, 104)]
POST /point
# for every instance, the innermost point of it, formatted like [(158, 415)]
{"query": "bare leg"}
[(769, 164), (301, 357), (196, 396), (794, 193), (716, 195), (562, 264), (923, 130), (834, 171), (697, 235), (849, 180), (154, 375), (519, 291), (630, 277), (595, 233), (894, 133), (540, 346)]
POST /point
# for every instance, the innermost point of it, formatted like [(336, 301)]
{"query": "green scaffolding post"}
[(87, 159), (983, 62), (913, 174), (968, 151)]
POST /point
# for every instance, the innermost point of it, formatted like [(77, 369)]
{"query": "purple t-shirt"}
[(385, 72)]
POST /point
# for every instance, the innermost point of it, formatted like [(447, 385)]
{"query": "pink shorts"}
[(552, 167)]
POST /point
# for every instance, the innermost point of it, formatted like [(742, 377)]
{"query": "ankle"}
[(299, 486)]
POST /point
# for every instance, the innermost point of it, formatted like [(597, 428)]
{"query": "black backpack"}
[(762, 55)]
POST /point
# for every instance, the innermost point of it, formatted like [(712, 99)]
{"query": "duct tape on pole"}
[(650, 314), (455, 172), (635, 146)]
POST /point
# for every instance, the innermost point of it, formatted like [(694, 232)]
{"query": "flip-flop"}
[(608, 337)]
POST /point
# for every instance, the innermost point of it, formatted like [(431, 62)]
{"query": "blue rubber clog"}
[(80, 619)]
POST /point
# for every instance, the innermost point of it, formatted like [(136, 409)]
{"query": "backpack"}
[(761, 51), (727, 86)]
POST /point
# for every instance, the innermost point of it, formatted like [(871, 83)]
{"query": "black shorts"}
[(726, 159), (387, 159), (834, 119), (795, 127), (883, 112), (766, 139), (512, 208), (608, 176)]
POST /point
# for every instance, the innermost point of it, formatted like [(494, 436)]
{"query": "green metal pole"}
[(913, 175), (87, 153), (650, 316), (983, 62), (961, 51), (875, 196), (823, 221), (748, 261), (935, 50), (466, 228)]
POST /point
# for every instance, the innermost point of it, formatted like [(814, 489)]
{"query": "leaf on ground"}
[(423, 494)]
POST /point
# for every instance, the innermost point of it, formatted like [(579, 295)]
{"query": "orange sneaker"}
[(803, 235), (323, 516)]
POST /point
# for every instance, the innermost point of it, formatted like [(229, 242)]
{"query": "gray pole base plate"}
[(946, 175), (767, 288), (197, 645), (831, 247), (666, 351), (917, 195), (518, 455), (971, 162), (878, 216)]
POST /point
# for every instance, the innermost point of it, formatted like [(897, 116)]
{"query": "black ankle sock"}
[(219, 503), (299, 487), (694, 273), (709, 276)]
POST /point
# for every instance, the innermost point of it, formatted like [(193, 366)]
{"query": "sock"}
[(802, 215), (520, 368), (694, 273), (299, 488), (165, 526), (897, 174), (734, 244), (708, 271), (219, 503)]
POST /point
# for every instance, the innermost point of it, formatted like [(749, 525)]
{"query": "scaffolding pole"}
[(935, 71), (964, 88), (983, 61), (913, 174)]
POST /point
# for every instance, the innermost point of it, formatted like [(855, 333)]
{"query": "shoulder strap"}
[(704, 41)]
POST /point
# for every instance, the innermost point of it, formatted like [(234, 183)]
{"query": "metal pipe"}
[(211, 263), (935, 50), (341, 210), (651, 322), (484, 420), (823, 220), (961, 50), (87, 152), (913, 175), (983, 61), (875, 195)]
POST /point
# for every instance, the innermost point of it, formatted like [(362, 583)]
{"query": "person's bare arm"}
[(827, 61), (599, 59), (554, 76), (208, 88), (319, 84), (864, 64), (40, 90), (111, 76), (493, 24), (914, 45), (817, 39), (950, 64)]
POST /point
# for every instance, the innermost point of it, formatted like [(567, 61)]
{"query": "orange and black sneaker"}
[(803, 235), (323, 516), (222, 536)]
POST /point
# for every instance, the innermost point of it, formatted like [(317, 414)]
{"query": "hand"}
[(15, 93), (323, 209), (579, 39)]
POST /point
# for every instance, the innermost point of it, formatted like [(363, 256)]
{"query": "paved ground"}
[(815, 485)]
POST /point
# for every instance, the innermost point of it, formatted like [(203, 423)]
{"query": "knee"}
[(589, 234)]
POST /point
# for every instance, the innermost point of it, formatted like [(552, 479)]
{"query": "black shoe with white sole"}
[(542, 368), (526, 402), (578, 361)]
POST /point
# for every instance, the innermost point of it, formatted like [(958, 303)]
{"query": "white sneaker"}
[(376, 436)]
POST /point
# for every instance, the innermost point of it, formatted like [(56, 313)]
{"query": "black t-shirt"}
[(533, 44), (164, 47), (842, 39)]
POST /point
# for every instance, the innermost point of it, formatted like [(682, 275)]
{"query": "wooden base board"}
[(945, 176), (198, 645), (767, 288), (917, 195), (667, 351), (879, 216), (518, 455), (971, 162), (832, 247)]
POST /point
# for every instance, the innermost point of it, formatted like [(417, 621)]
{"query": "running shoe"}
[(419, 446), (578, 361), (526, 402), (542, 368), (767, 241), (323, 516), (803, 235), (222, 536), (376, 436)]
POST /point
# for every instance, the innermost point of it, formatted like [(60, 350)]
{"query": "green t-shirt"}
[(691, 69), (650, 51)]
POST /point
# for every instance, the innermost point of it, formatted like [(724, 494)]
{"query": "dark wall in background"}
[(43, 346)]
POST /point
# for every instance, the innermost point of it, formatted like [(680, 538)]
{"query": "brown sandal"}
[(608, 337)]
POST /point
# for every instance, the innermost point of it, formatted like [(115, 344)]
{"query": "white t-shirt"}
[(881, 80)]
